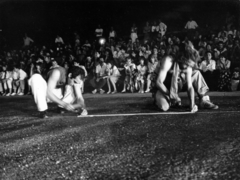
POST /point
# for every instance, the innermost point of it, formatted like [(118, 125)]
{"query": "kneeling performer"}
[(184, 71)]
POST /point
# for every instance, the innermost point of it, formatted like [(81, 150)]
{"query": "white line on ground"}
[(159, 113)]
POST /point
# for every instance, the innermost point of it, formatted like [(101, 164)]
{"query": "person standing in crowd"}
[(162, 28), (154, 30), (113, 75), (134, 34), (112, 34), (99, 32), (147, 31), (183, 72), (99, 80), (50, 91), (191, 26), (27, 41), (59, 40)]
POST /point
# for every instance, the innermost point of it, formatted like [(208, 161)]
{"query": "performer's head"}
[(76, 73), (189, 57)]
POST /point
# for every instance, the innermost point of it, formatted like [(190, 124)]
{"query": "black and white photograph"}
[(119, 89)]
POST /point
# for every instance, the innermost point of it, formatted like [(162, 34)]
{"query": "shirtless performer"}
[(52, 90), (181, 71)]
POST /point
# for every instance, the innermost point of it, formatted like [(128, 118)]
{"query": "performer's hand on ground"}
[(69, 107)]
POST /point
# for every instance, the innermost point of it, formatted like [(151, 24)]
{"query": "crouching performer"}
[(73, 91), (181, 70), (50, 91)]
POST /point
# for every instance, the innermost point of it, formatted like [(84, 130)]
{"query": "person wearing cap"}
[(182, 72)]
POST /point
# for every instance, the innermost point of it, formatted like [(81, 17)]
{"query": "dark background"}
[(43, 20)]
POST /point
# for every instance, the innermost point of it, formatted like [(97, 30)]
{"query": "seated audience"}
[(113, 75)]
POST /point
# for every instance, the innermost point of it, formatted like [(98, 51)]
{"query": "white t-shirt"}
[(191, 25), (112, 34), (99, 32), (59, 40), (21, 75), (152, 66), (27, 41), (101, 70), (208, 67), (129, 68), (142, 70)]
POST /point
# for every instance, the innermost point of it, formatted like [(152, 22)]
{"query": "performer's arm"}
[(165, 67), (190, 89), (52, 83), (79, 97)]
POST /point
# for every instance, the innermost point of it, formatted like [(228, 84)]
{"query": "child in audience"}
[(141, 75), (112, 77), (129, 78), (19, 79)]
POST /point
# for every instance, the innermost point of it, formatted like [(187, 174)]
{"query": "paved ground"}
[(205, 145)]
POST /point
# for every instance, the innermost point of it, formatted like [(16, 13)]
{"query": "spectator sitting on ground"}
[(2, 74), (152, 64), (19, 80), (7, 79), (54, 63), (141, 76), (208, 68), (129, 75), (99, 80), (224, 81), (113, 75)]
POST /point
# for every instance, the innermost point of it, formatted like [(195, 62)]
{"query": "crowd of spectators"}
[(113, 64)]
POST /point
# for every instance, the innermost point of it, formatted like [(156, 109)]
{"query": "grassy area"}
[(192, 146)]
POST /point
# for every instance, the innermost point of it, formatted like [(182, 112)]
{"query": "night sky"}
[(42, 20)]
